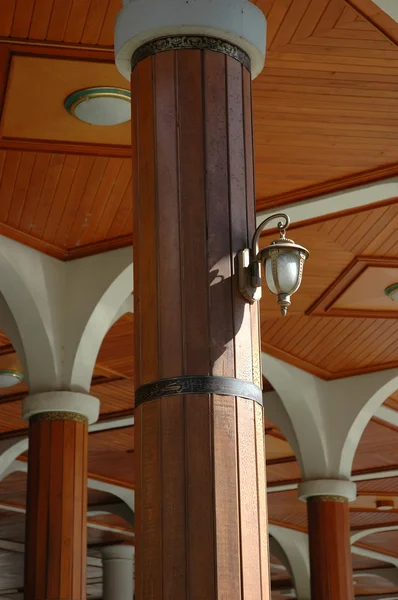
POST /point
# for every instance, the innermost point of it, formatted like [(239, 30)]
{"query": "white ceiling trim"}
[(329, 204)]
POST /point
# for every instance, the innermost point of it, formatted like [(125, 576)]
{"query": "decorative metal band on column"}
[(58, 416), (190, 42), (199, 384), (329, 498)]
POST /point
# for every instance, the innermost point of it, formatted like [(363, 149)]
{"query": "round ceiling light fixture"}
[(10, 378), (100, 105), (392, 292), (385, 505)]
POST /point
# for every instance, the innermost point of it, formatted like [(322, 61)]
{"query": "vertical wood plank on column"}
[(135, 181), (249, 515), (147, 273), (221, 326), (226, 498), (151, 544), (68, 494), (262, 501), (54, 546), (32, 525), (238, 216), (330, 549), (81, 484), (170, 327), (138, 510), (198, 446)]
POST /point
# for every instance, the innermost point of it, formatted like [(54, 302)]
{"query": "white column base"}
[(73, 402), (327, 487)]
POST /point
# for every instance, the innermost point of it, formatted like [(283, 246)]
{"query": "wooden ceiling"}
[(326, 118)]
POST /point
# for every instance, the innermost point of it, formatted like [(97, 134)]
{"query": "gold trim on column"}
[(59, 416), (329, 498), (190, 42)]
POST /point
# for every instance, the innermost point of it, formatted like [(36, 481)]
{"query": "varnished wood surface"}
[(56, 533), (330, 550), (195, 455)]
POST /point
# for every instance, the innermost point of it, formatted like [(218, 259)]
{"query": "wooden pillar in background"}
[(330, 548), (201, 522), (56, 515)]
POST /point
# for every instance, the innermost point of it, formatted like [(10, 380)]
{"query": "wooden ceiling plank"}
[(22, 17), (38, 178), (7, 183), (76, 22), (360, 343), (382, 343), (86, 203), (64, 184), (93, 26), (106, 36), (294, 17), (7, 15), (122, 184), (40, 19), (45, 201), (74, 199), (275, 19), (59, 20), (109, 179), (21, 187), (309, 22), (122, 223)]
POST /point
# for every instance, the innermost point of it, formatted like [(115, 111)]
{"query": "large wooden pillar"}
[(201, 522), (330, 548), (56, 519)]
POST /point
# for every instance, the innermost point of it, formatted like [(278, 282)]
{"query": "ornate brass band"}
[(190, 42), (59, 416), (199, 384), (329, 498)]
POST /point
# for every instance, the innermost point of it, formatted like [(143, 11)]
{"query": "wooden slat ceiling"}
[(339, 345)]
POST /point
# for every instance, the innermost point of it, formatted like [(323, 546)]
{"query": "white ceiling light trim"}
[(100, 105)]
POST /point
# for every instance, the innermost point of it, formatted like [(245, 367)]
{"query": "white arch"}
[(105, 302), (294, 545), (324, 420), (23, 274)]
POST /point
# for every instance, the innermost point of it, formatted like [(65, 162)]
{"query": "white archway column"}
[(56, 507), (118, 572)]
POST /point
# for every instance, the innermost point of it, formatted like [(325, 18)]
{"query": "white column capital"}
[(61, 402), (238, 22), (334, 488)]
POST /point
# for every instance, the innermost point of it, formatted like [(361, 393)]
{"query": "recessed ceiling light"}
[(385, 505), (392, 292), (10, 378), (100, 105)]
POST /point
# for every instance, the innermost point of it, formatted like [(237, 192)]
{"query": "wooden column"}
[(56, 530), (330, 548), (201, 523)]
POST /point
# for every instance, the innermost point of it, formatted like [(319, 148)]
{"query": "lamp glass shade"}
[(282, 271)]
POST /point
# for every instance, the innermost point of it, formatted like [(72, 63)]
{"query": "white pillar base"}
[(338, 488), (70, 402)]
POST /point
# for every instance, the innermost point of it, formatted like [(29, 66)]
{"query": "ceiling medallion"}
[(392, 292), (100, 105), (10, 378)]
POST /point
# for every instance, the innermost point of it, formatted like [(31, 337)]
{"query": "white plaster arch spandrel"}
[(23, 274), (107, 281)]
